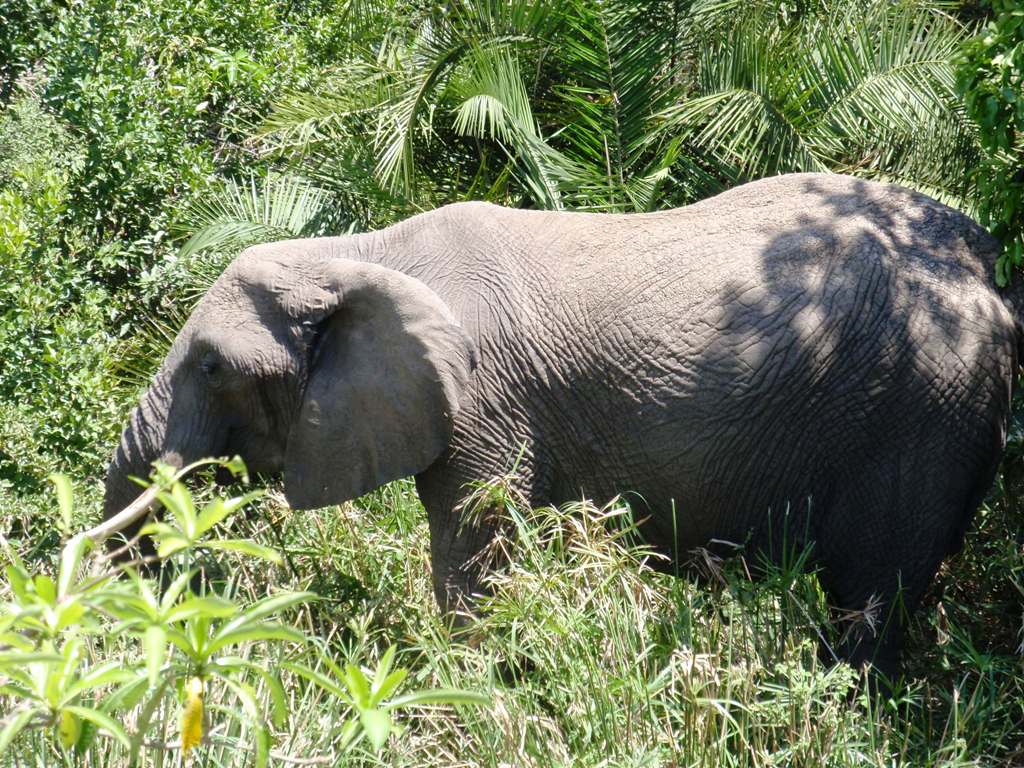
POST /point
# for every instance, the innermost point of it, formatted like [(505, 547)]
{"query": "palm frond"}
[(494, 102), (256, 210), (750, 113), (619, 56)]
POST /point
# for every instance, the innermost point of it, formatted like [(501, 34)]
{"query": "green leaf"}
[(70, 559), (21, 658), (218, 509), (171, 544), (179, 503), (45, 588), (244, 692), (268, 606), (357, 685), (263, 743), (236, 466), (388, 685), (155, 643), (211, 607), (257, 210), (384, 667), (319, 679), (245, 547), (64, 498), (439, 696), (279, 701), (104, 721), (68, 612), (173, 592), (98, 676), (255, 633), (18, 578), (377, 724), (126, 696)]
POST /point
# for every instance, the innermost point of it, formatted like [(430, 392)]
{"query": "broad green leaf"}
[(263, 742), (69, 729), (68, 613), (377, 724), (21, 658), (247, 695), (383, 667), (171, 544), (45, 588), (103, 674), (18, 578), (14, 640), (126, 696), (102, 720), (279, 701), (236, 466), (179, 504), (358, 685), (158, 529), (173, 592), (388, 686)]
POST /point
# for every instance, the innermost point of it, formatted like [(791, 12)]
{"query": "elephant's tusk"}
[(124, 518)]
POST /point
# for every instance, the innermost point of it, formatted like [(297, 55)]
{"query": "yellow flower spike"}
[(69, 729), (192, 715)]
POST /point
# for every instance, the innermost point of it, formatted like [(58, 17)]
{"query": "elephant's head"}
[(343, 374)]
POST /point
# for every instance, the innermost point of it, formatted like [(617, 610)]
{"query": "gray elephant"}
[(808, 359)]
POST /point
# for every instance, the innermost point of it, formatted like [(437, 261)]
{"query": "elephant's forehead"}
[(259, 282)]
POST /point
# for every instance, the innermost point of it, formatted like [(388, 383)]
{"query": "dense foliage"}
[(991, 77), (144, 142)]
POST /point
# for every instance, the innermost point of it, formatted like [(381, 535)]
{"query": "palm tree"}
[(606, 105)]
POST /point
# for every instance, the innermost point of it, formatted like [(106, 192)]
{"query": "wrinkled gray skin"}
[(810, 343)]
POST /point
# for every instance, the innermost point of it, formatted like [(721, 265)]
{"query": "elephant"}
[(812, 360)]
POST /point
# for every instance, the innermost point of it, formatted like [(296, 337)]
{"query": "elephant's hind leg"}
[(884, 539)]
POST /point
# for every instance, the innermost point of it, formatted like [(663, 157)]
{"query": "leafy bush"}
[(991, 78), (55, 399), (82, 653)]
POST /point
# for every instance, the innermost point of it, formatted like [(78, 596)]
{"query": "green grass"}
[(594, 659)]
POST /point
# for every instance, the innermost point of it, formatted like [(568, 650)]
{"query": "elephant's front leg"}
[(462, 551), (470, 529)]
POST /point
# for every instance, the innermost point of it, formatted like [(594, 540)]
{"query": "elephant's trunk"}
[(161, 427), (142, 442)]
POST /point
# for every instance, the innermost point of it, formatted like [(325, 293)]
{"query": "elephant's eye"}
[(210, 368)]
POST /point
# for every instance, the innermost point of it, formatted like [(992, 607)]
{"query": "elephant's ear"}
[(386, 369)]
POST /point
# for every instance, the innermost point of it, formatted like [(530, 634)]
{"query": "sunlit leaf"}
[(245, 547), (155, 645), (377, 724), (65, 498)]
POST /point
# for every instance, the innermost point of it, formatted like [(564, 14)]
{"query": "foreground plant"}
[(88, 654)]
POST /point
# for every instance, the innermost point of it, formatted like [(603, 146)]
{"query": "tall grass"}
[(594, 658)]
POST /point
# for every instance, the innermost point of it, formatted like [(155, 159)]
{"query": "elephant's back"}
[(777, 325)]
